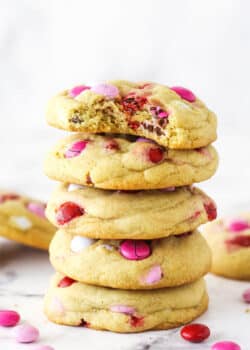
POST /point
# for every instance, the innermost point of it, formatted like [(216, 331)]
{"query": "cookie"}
[(229, 240), (173, 117), (77, 304), (22, 219), (140, 264), (127, 163), (106, 214)]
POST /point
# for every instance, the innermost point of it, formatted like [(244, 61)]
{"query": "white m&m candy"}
[(21, 222), (78, 243)]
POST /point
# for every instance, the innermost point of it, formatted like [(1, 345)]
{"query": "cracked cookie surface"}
[(229, 240), (107, 214), (166, 262), (22, 219), (173, 117), (78, 304), (116, 162)]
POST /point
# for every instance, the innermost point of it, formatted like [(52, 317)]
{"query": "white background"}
[(49, 45)]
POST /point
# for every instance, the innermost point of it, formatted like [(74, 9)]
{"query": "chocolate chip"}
[(129, 99), (148, 127), (84, 323), (158, 131), (162, 122), (76, 119), (88, 180)]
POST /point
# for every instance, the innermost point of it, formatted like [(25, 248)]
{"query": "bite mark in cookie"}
[(173, 117)]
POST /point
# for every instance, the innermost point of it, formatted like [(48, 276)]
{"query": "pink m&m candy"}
[(41, 347), (135, 250), (143, 139), (107, 90), (37, 208), (237, 225), (9, 318), (123, 309), (225, 345), (168, 189), (76, 149), (158, 112), (246, 296), (75, 91), (25, 333), (154, 275), (184, 93)]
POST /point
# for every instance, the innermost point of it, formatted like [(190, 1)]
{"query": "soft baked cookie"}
[(173, 117), (116, 162), (77, 304), (22, 219), (121, 214), (229, 240), (139, 264)]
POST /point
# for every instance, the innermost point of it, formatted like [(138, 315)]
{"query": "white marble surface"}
[(46, 45)]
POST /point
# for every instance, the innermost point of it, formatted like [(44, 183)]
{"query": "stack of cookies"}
[(127, 253)]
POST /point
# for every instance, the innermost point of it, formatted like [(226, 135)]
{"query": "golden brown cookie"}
[(77, 304), (127, 163), (121, 214), (173, 117), (229, 240), (139, 264), (22, 219)]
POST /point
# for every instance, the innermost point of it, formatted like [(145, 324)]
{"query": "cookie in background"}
[(229, 240), (22, 220)]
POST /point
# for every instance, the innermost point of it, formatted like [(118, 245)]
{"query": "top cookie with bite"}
[(171, 116)]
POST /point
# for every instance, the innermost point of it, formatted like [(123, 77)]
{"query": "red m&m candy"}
[(211, 210), (155, 155), (195, 333), (67, 212), (66, 282)]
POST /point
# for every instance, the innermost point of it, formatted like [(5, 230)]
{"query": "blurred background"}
[(47, 46)]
